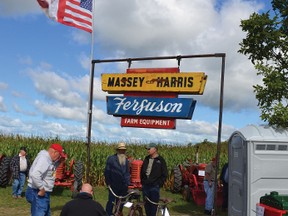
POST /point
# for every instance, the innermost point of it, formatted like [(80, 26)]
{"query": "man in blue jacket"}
[(117, 175)]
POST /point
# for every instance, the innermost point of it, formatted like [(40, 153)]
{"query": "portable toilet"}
[(258, 164)]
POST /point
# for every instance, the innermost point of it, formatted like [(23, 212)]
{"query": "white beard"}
[(122, 159)]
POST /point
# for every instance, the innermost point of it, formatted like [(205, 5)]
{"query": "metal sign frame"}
[(178, 58)]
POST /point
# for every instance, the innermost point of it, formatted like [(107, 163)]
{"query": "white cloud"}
[(59, 111), (3, 86), (18, 109), (27, 60), (14, 125), (85, 61), (55, 87), (81, 37), (15, 8), (2, 105)]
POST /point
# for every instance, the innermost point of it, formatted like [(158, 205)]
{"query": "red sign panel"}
[(150, 122)]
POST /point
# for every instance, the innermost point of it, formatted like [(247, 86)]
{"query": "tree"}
[(266, 45)]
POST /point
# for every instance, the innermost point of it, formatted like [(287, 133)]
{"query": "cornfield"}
[(99, 151)]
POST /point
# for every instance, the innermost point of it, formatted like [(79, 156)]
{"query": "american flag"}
[(77, 13)]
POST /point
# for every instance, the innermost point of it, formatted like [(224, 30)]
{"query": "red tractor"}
[(135, 169), (189, 180), (71, 176)]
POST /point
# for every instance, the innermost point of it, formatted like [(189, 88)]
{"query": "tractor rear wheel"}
[(176, 180), (5, 171), (78, 176)]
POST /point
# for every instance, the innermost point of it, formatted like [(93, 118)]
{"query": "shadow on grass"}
[(187, 209), (62, 191), (56, 208)]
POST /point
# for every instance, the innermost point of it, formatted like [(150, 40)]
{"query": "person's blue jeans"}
[(40, 206), (209, 195), (18, 185), (109, 205), (153, 193), (111, 201)]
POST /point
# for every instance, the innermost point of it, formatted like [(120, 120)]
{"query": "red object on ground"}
[(270, 211)]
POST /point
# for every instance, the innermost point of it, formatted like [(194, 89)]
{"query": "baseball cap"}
[(23, 148), (59, 148), (121, 146), (151, 145)]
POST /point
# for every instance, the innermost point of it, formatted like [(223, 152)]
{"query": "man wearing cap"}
[(41, 179), (153, 176), (19, 167), (117, 175), (209, 181)]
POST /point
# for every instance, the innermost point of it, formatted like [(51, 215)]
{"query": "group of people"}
[(153, 175), (41, 177)]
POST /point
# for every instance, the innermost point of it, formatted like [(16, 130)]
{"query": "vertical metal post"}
[(219, 134), (89, 124)]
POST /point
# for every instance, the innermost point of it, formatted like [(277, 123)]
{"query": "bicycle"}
[(130, 200), (162, 205)]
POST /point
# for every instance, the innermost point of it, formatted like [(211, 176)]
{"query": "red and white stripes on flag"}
[(77, 13)]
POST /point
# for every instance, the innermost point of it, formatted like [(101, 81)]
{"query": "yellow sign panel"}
[(185, 83)]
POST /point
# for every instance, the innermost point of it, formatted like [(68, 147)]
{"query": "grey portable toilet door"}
[(237, 204)]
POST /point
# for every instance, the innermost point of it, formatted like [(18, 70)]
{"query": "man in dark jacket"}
[(117, 175), (153, 176), (83, 204), (19, 167)]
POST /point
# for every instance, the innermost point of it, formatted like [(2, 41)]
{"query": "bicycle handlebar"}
[(163, 201), (132, 192)]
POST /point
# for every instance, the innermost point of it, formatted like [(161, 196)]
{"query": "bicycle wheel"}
[(138, 211)]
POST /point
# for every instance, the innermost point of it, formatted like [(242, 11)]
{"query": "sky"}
[(45, 67)]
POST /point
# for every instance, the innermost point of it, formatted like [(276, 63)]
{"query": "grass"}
[(11, 207)]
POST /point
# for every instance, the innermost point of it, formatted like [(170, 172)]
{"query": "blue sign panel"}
[(181, 108)]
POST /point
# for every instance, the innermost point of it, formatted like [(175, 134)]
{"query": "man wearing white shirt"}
[(19, 166)]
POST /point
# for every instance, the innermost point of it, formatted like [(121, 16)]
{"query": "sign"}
[(181, 108), (260, 210), (184, 83), (148, 122)]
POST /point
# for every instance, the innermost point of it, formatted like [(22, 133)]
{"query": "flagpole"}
[(90, 101)]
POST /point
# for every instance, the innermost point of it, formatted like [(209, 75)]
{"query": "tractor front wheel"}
[(78, 176), (176, 180)]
